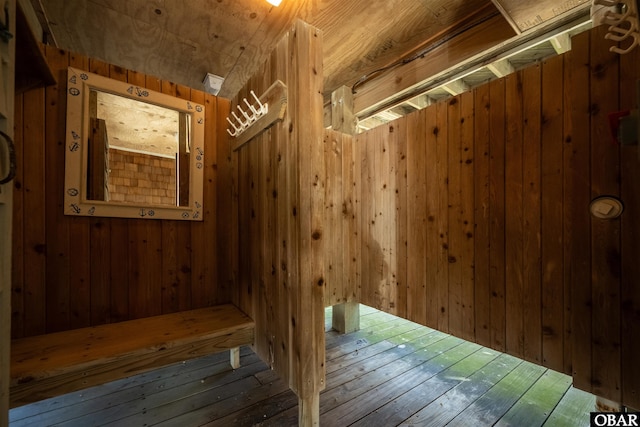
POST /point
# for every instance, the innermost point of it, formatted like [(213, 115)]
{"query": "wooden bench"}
[(49, 365)]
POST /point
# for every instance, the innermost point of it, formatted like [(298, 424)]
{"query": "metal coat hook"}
[(246, 118), (622, 26), (11, 173)]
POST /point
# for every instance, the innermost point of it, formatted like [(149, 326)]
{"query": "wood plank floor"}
[(390, 373)]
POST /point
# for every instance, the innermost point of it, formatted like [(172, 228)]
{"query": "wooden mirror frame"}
[(76, 203)]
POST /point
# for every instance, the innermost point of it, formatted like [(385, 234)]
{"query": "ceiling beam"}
[(455, 87), (507, 16), (501, 68), (447, 63), (370, 95), (561, 43), (419, 102)]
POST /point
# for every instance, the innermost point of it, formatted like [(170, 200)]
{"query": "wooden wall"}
[(464, 215), (605, 257), (70, 272), (471, 217), (277, 195)]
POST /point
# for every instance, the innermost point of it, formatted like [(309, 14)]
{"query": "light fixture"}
[(606, 207), (276, 3), (212, 83)]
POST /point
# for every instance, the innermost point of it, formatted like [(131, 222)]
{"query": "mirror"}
[(131, 152)]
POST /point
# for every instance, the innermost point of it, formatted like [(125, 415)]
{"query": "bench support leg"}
[(346, 317), (234, 357)]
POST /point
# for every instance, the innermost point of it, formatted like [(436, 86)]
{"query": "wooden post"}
[(343, 118), (307, 296), (346, 316), (234, 357), (7, 52), (309, 411)]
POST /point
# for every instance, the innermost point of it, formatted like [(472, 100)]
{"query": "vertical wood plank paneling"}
[(551, 220), (454, 214), (57, 230), (270, 269), (96, 264), (226, 214), (285, 263), (467, 202), (350, 217), (34, 205), (482, 215), (368, 175), (605, 235), (630, 189), (391, 212), (550, 283), (514, 296), (441, 185), (497, 209), (355, 240), (531, 276), (245, 301), (581, 195), (567, 225), (421, 304), (17, 236), (334, 152), (399, 163), (428, 192), (378, 264), (385, 207)]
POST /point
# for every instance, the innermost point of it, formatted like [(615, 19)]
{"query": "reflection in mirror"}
[(131, 152), (138, 152)]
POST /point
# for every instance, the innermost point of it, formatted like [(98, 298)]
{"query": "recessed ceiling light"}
[(274, 2)]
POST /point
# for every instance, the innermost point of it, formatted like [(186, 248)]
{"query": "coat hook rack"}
[(622, 26), (247, 118), (259, 115)]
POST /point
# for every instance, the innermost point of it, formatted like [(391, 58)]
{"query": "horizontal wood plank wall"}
[(604, 258), (483, 223), (282, 213), (70, 272)]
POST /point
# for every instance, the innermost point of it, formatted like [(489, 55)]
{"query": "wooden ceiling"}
[(182, 40)]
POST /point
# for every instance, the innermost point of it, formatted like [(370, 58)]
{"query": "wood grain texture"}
[(487, 173), (497, 227), (605, 235), (531, 274), (288, 214), (581, 196), (551, 219), (56, 363), (482, 281), (629, 190), (419, 302), (514, 262), (96, 270)]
